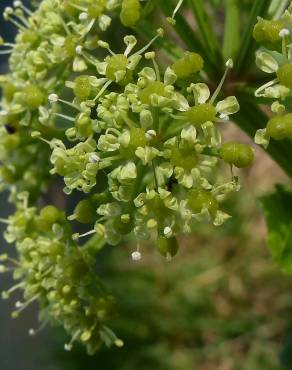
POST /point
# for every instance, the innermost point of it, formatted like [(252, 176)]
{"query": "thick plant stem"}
[(232, 29)]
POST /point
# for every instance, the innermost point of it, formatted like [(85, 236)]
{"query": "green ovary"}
[(201, 113), (137, 139), (33, 96), (200, 199), (184, 158), (240, 155), (115, 64), (190, 63), (268, 31), (155, 87)]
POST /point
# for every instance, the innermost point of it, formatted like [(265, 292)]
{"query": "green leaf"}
[(232, 29), (277, 209), (205, 26), (247, 45)]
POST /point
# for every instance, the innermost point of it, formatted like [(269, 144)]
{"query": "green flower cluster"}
[(274, 57), (140, 143), (45, 53), (54, 271), (157, 147)]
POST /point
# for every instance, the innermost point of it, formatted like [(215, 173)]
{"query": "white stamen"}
[(229, 63), (79, 49), (31, 332), (94, 158), (224, 117), (67, 347), (17, 4), (150, 134), (168, 257), (53, 98), (2, 269), (284, 32), (8, 10), (167, 231), (18, 304), (136, 256), (83, 16)]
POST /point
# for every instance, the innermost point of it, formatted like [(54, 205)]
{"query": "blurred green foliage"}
[(277, 208)]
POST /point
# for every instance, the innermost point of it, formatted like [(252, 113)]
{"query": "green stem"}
[(171, 50), (183, 28), (155, 176), (232, 29)]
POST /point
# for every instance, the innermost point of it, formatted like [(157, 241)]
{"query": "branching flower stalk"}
[(137, 138)]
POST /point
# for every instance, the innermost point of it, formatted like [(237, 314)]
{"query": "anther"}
[(79, 49), (53, 98), (167, 231), (150, 134), (136, 256), (83, 16), (94, 158), (284, 32)]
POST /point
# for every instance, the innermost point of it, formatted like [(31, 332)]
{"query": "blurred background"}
[(220, 304)]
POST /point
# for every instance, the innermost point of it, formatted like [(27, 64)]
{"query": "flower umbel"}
[(139, 141)]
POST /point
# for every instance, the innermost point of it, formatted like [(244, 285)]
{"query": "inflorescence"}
[(139, 142), (275, 58)]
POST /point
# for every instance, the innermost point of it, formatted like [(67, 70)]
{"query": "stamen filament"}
[(105, 86), (71, 119), (229, 65), (156, 68), (155, 176), (15, 287), (4, 221), (176, 9), (17, 24), (23, 306), (141, 51), (40, 328), (268, 84), (6, 52), (70, 104), (25, 9), (68, 346)]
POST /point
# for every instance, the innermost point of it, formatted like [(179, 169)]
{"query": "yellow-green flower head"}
[(268, 31), (141, 151), (279, 65), (55, 272), (130, 12)]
